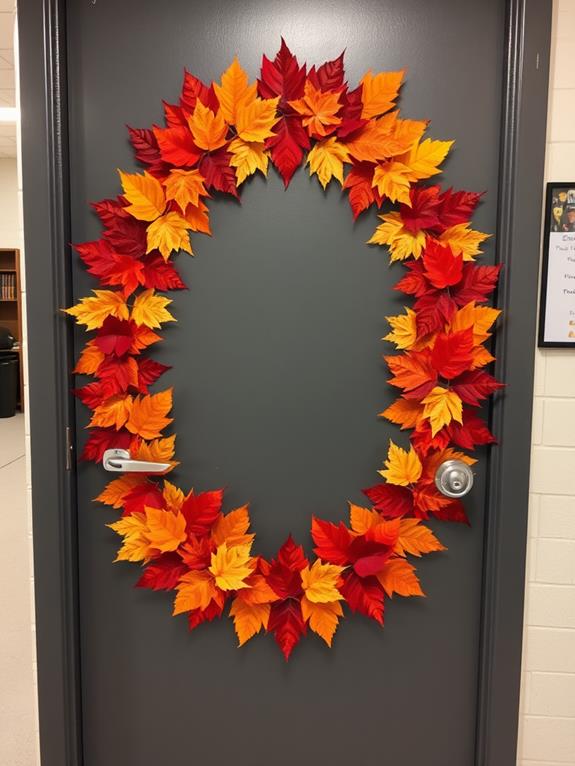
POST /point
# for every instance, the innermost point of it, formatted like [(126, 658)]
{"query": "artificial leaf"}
[(402, 242), (165, 530), (463, 240), (169, 233), (234, 90), (362, 519), (94, 310), (117, 489), (114, 412), (150, 310), (148, 414), (145, 195), (287, 146), (177, 146), (425, 157), (185, 187), (332, 542), (415, 538), (326, 159), (401, 468), (379, 92), (441, 406), (363, 595), (319, 110), (163, 573), (287, 625), (404, 329), (392, 180), (359, 184), (232, 528), (398, 576), (323, 618), (441, 267), (249, 619), (255, 119), (231, 566), (208, 129), (195, 591), (404, 412), (90, 359), (452, 353), (219, 175), (202, 510), (320, 582), (246, 158)]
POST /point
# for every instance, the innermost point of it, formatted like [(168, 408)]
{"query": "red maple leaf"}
[(390, 500), (159, 274), (452, 353), (351, 119), (361, 193), (198, 616), (101, 439), (476, 284), (218, 175), (193, 89), (457, 207), (364, 595), (143, 495), (328, 76), (147, 151), (441, 267), (475, 385), (164, 573), (201, 511), (177, 146), (287, 146), (148, 372), (423, 212), (287, 624)]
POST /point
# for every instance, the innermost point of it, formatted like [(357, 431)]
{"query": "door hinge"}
[(69, 448)]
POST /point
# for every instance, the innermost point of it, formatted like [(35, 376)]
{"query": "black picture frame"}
[(555, 223)]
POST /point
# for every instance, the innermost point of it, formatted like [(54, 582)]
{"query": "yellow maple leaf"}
[(319, 109), (404, 329), (323, 618), (90, 359), (401, 467), (156, 451), (165, 530), (231, 528), (379, 92), (132, 528), (255, 119), (249, 619), (94, 310), (145, 195), (398, 576), (362, 519), (441, 406), (247, 157), (115, 411), (185, 187), (326, 159), (404, 412), (231, 566), (463, 240), (320, 582), (168, 233), (391, 179), (117, 489), (150, 310), (480, 318), (148, 414), (402, 243), (208, 129), (425, 157), (415, 538), (234, 89), (173, 496), (195, 591)]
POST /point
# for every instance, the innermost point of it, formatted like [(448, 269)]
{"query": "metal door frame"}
[(42, 41)]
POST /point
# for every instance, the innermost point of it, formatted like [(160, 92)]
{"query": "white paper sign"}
[(560, 298)]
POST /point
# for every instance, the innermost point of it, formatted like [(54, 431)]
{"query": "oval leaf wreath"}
[(215, 138)]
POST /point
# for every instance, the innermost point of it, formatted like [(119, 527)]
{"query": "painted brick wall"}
[(547, 726)]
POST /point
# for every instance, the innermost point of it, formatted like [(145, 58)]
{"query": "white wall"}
[(547, 728), (9, 214)]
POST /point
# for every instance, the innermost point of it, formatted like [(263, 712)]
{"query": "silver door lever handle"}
[(454, 478), (120, 460)]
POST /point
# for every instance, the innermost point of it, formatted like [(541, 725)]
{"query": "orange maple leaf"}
[(208, 129), (319, 110), (398, 576), (148, 414)]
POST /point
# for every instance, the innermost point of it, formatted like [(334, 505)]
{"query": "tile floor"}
[(17, 686)]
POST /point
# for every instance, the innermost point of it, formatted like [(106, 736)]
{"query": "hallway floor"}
[(17, 714)]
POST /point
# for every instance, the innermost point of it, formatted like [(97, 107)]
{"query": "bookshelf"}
[(10, 304)]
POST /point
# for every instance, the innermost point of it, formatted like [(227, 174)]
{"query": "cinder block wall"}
[(547, 727)]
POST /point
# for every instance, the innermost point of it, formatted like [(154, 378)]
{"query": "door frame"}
[(45, 173)]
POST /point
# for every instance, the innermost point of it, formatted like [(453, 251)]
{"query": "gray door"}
[(278, 380)]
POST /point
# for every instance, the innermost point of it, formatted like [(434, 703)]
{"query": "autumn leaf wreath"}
[(215, 138)]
